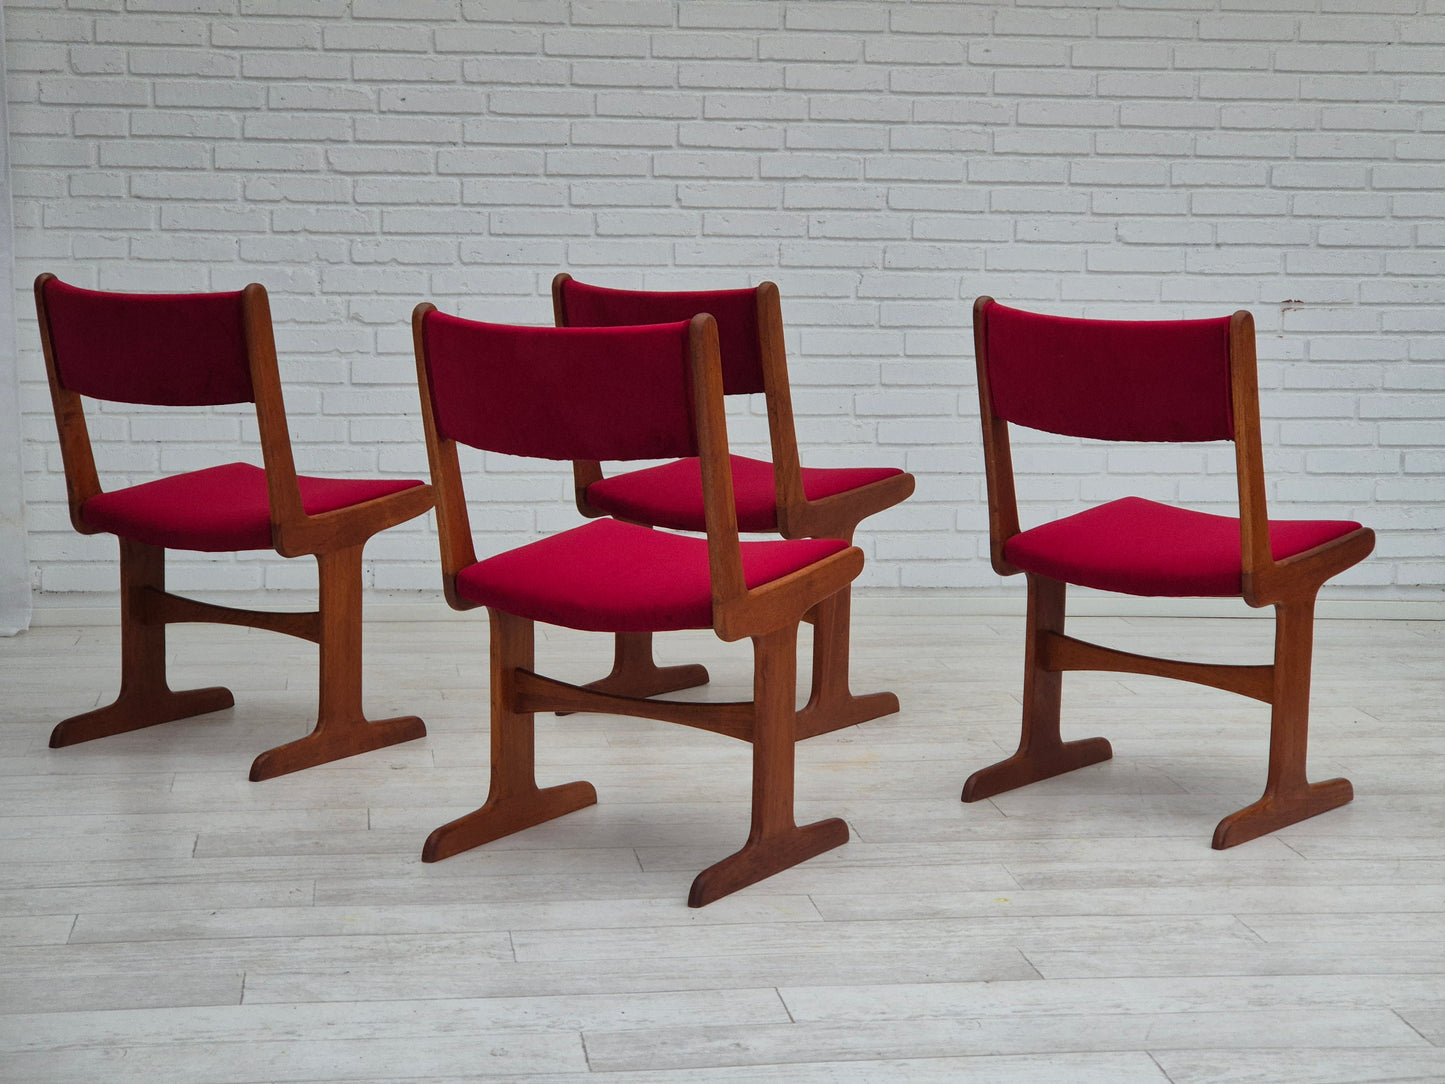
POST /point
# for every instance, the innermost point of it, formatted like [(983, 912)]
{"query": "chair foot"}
[(651, 682), (503, 816), (659, 680), (1029, 767), (762, 858), (824, 715), (335, 742), (635, 674), (138, 711), (1276, 810)]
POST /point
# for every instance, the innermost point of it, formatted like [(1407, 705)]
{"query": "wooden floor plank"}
[(162, 918)]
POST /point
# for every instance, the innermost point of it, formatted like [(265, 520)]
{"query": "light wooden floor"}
[(163, 919)]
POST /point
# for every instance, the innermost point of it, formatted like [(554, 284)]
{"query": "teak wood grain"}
[(831, 703), (1289, 585), (768, 615), (334, 538)]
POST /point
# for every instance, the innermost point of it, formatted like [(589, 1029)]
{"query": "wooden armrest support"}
[(1305, 572), (783, 602), (351, 526), (839, 515)]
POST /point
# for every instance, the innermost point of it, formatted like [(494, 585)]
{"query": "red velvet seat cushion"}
[(219, 509), (670, 495), (608, 576), (1139, 547)]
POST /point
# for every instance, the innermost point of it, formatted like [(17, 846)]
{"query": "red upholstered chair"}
[(780, 497), (1184, 380), (201, 350), (621, 393)]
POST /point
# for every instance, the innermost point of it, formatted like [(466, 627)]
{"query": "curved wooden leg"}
[(1041, 753), (775, 841), (342, 729), (634, 673), (1288, 797), (514, 800), (831, 705), (144, 699)]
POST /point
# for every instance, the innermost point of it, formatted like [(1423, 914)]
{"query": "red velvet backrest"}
[(1164, 380), (561, 393), (155, 349), (736, 313)]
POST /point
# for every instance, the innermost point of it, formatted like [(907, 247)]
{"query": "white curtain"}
[(14, 568)]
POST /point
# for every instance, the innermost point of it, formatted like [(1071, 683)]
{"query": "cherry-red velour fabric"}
[(1147, 380), (736, 313), (155, 349), (561, 393), (1139, 547), (670, 495), (608, 576), (219, 509)]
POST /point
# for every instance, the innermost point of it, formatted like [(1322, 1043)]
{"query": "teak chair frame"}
[(1289, 585), (335, 539), (768, 615), (831, 703)]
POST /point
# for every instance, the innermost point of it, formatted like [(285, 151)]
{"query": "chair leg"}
[(1041, 754), (1289, 797), (831, 706), (514, 800), (144, 699), (634, 673), (342, 730), (775, 841)]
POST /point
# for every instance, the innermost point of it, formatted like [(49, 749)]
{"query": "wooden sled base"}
[(1288, 795), (1029, 767), (145, 700), (515, 802), (502, 816), (335, 742), (761, 858), (132, 711), (1276, 810)]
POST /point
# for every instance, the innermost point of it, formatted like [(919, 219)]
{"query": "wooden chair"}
[(201, 350), (780, 497), (620, 394), (1187, 380)]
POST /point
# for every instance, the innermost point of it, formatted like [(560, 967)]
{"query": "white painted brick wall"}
[(884, 162)]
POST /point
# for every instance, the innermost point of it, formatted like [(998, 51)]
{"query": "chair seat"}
[(1139, 547), (608, 576), (670, 495), (219, 509)]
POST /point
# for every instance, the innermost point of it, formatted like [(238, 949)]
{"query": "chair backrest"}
[(1148, 380), (645, 392), (577, 304), (750, 343), (152, 349), (164, 350), (560, 393), (1165, 380)]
